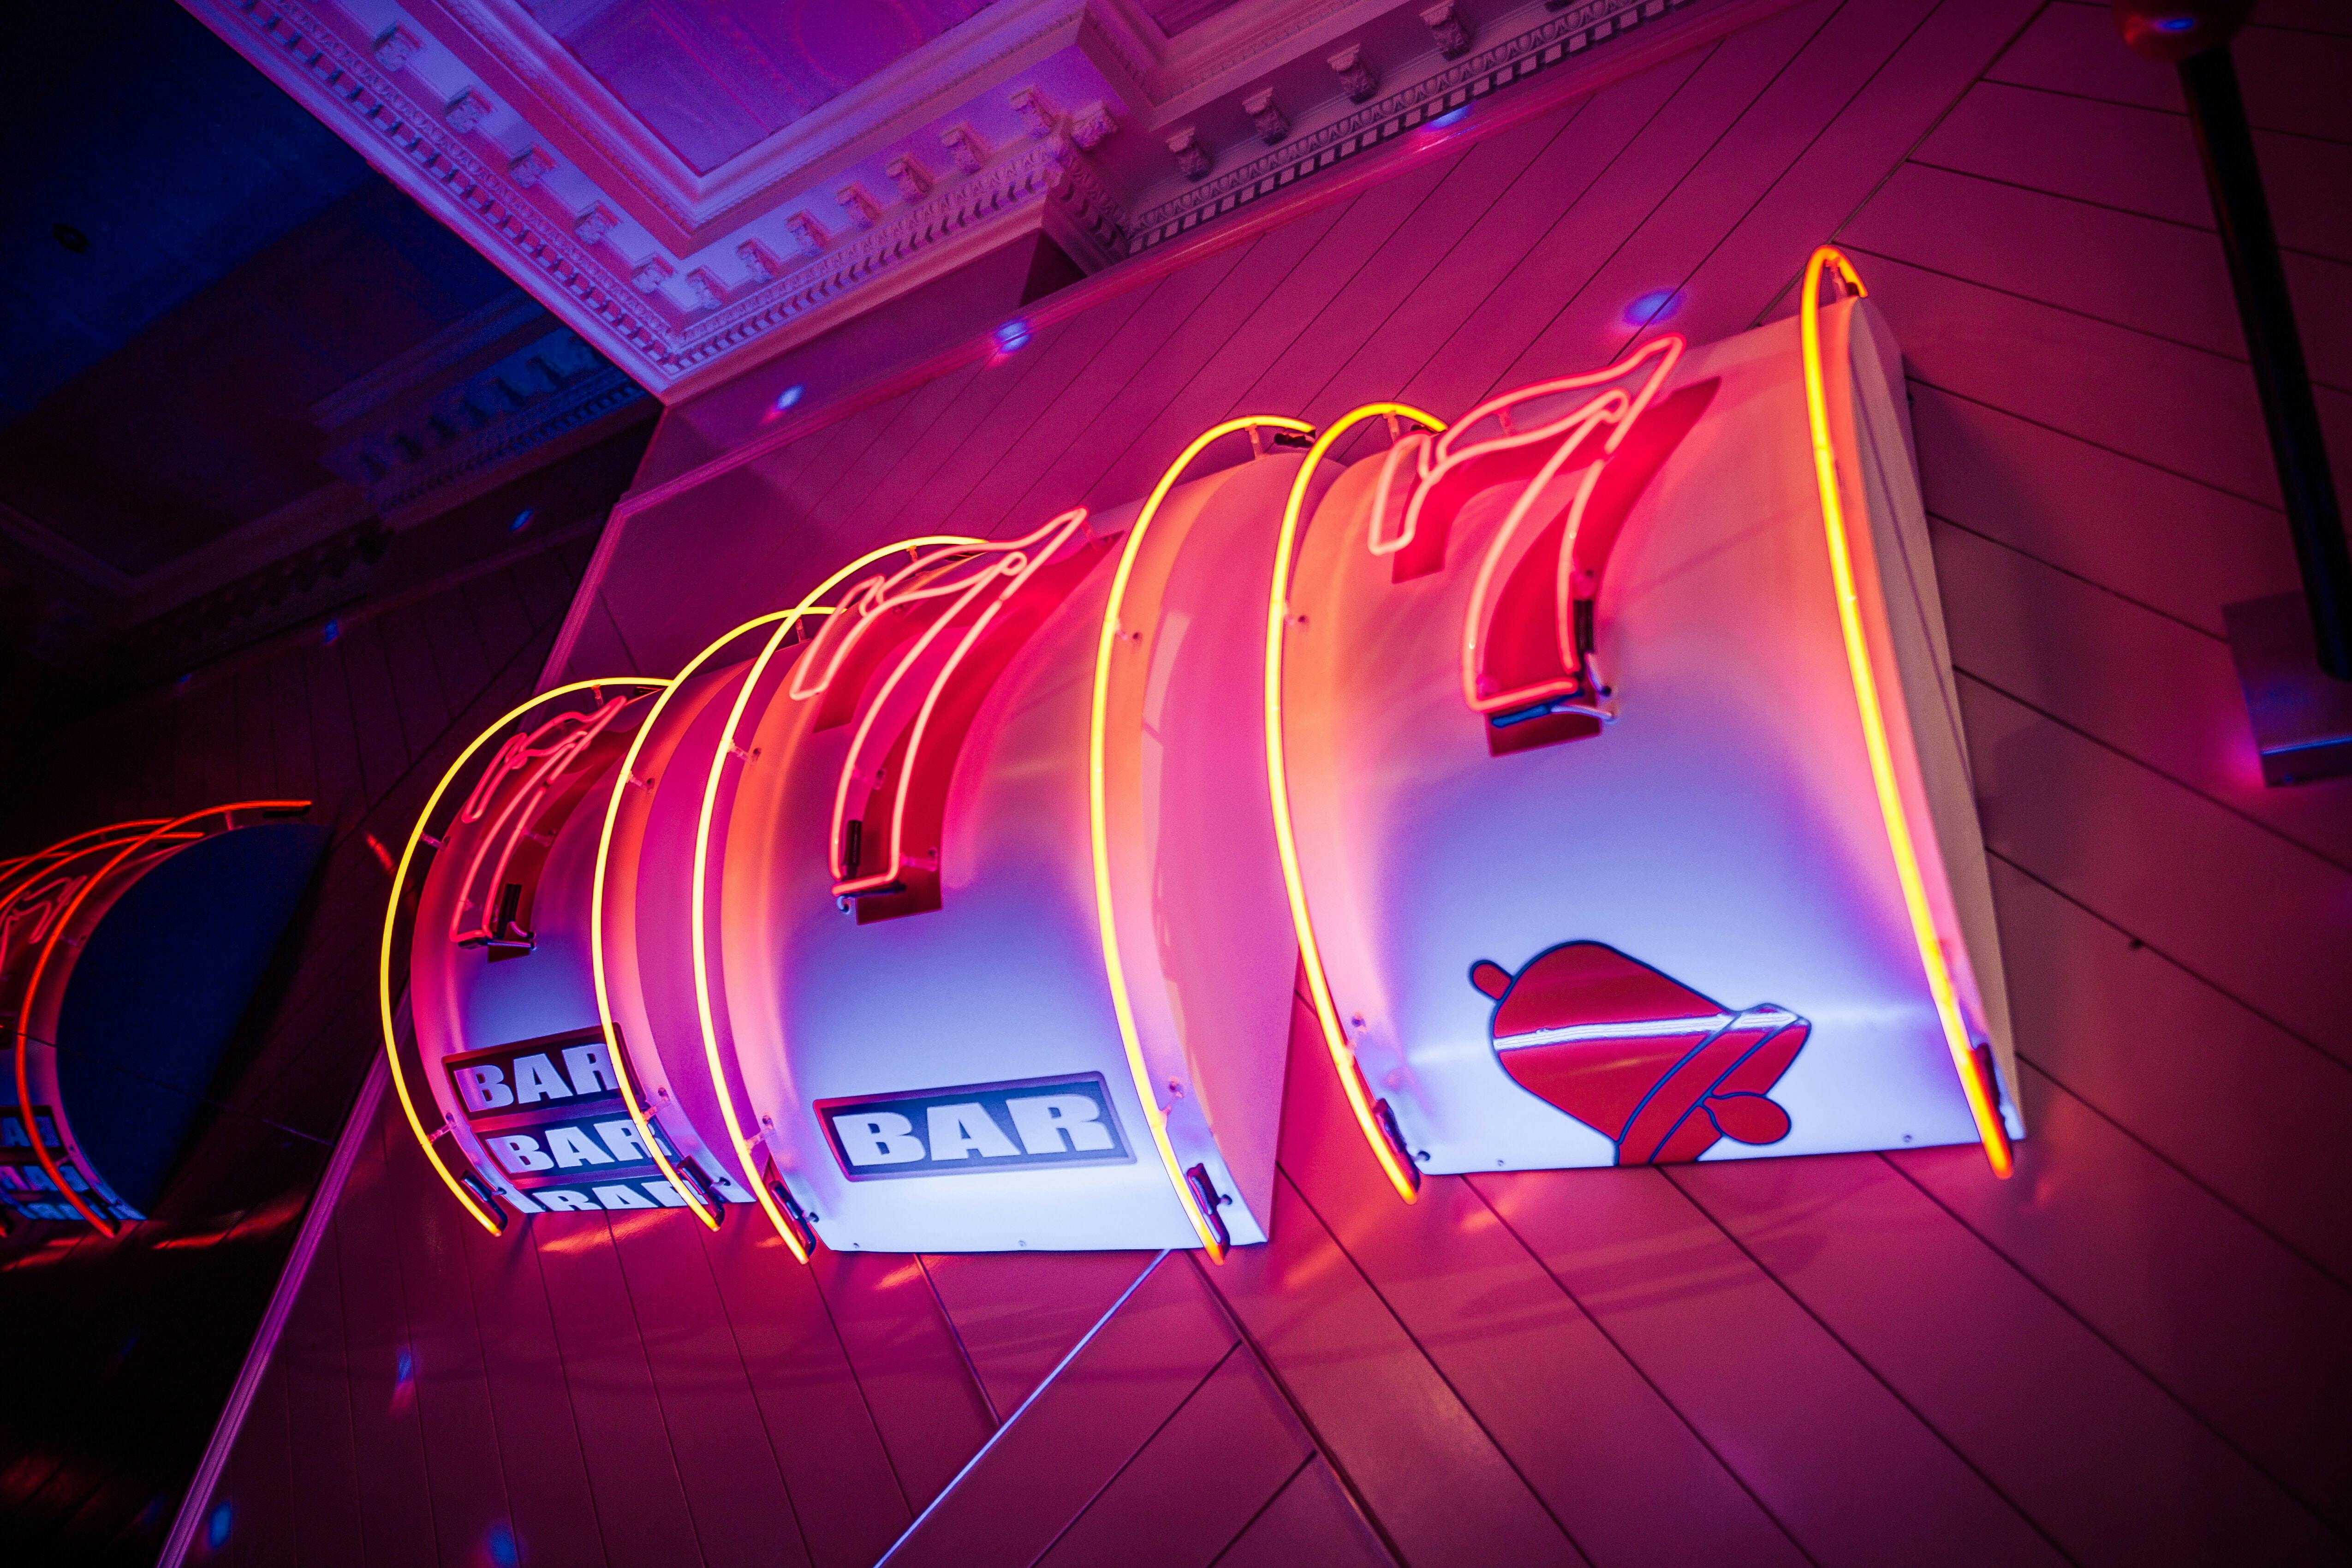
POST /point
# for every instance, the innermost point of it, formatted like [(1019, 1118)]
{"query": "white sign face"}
[(976, 1128), (1594, 760), (1640, 907)]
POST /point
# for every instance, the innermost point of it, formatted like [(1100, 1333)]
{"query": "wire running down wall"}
[(2133, 1352)]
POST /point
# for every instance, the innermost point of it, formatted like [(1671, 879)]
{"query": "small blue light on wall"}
[(404, 1365), (500, 1546), (788, 396), (1450, 119), (2175, 24), (1012, 337), (522, 520), (218, 1524), (330, 631), (1655, 306)]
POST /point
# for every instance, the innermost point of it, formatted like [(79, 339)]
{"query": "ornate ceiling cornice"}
[(1076, 119)]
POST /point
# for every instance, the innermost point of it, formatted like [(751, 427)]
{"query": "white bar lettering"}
[(960, 1131), (590, 1069), (519, 1152), (564, 1200), (572, 1147), (620, 1197), (1050, 1122), (483, 1088), (878, 1137), (621, 1138), (536, 1078)]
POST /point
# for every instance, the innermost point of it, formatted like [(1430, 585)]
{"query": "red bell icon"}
[(1654, 1067)]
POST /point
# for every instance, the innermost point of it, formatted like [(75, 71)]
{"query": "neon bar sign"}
[(1591, 758)]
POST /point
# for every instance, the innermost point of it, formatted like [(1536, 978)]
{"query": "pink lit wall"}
[(2133, 1352)]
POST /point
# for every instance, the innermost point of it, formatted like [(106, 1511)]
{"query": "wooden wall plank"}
[(1485, 255), (463, 1466), (1149, 1359), (1849, 1468), (1017, 1314), (848, 1501), (1312, 1519), (2182, 548), (2233, 1324), (735, 1487), (2161, 692), (2210, 1085), (555, 1512), (930, 1413), (2110, 1464), (1425, 1469), (624, 1439), (395, 1502), (326, 1504), (1220, 1459), (2170, 867), (1628, 1478)]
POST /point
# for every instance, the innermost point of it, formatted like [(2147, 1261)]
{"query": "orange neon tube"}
[(705, 1013), (392, 919), (1981, 1106), (1099, 806), (106, 1227), (1278, 776)]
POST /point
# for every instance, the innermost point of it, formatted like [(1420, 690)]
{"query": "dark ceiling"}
[(133, 128), (198, 267), (199, 423)]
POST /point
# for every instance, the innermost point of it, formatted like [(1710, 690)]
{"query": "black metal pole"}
[(2226, 147)]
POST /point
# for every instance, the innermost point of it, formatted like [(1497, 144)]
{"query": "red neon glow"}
[(1465, 464), (457, 1189), (553, 747), (161, 833), (889, 761), (1658, 1070)]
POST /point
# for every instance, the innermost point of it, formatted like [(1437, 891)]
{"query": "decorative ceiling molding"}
[(1076, 119), (1350, 129)]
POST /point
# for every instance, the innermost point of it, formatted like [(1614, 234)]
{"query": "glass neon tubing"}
[(392, 919), (604, 1021), (1020, 561), (34, 867), (1098, 809), (31, 988), (1278, 776), (1989, 1130), (706, 1015), (10, 866)]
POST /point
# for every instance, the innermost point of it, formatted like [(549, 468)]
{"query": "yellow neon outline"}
[(392, 917), (1989, 1130), (1099, 806), (105, 1228), (705, 1015), (1278, 774)]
